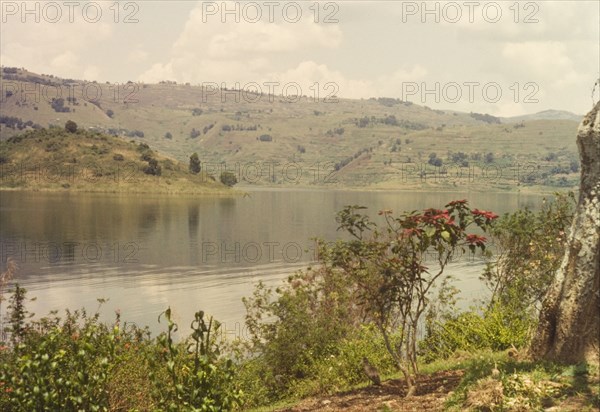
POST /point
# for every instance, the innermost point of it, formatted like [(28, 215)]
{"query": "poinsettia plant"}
[(389, 266)]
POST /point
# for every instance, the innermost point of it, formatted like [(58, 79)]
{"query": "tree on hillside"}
[(569, 325), (228, 179), (71, 126), (153, 168), (195, 166)]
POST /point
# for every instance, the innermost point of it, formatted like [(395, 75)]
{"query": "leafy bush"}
[(387, 265), (528, 250), (197, 378), (71, 126), (293, 330), (80, 363), (343, 367), (153, 168), (497, 328)]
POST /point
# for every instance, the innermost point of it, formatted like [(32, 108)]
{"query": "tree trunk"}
[(569, 324)]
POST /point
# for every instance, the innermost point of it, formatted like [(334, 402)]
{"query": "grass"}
[(526, 385), (93, 162)]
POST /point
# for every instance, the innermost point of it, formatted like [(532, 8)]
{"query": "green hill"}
[(55, 159), (304, 141)]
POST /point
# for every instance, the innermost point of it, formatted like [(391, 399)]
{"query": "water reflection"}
[(148, 252)]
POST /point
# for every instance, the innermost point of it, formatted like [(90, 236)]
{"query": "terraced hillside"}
[(307, 141)]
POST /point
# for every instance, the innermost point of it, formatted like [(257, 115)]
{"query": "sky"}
[(505, 58)]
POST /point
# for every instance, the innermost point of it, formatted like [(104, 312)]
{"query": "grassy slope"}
[(85, 161), (522, 385), (162, 108)]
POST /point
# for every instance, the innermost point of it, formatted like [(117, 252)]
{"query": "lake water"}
[(147, 252)]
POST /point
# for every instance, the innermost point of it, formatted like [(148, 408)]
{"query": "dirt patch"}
[(390, 396)]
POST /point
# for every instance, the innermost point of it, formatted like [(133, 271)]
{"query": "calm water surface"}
[(147, 252)]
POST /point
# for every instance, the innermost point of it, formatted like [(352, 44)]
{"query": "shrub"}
[(528, 250), (197, 379), (228, 179), (293, 330), (71, 126), (153, 168), (194, 165), (80, 363), (497, 328)]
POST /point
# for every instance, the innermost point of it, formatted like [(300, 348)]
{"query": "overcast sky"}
[(504, 58)]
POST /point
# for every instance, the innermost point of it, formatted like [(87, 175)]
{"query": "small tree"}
[(388, 267), (228, 179), (195, 166), (153, 168), (71, 126), (5, 277), (18, 315), (110, 113)]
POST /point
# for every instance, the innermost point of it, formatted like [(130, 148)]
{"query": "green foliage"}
[(364, 300), (343, 367), (529, 250), (60, 366), (197, 379), (18, 315), (80, 363), (293, 331), (71, 126), (228, 178), (523, 385), (497, 328), (387, 265)]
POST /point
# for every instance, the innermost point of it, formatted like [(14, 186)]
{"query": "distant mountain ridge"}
[(545, 115)]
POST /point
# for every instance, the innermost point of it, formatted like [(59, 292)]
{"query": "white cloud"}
[(240, 52), (369, 53), (138, 55), (542, 61), (56, 48)]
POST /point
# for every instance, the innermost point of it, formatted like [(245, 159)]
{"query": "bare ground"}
[(431, 394)]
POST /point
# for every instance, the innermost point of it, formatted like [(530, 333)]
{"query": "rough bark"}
[(569, 324)]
